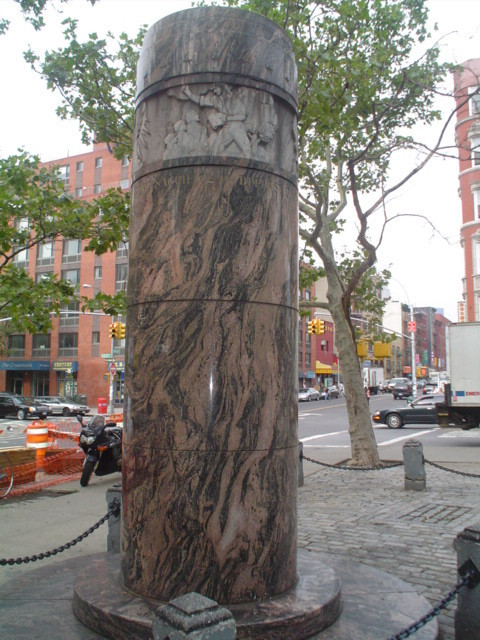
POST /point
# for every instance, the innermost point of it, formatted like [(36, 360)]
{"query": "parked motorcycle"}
[(102, 443)]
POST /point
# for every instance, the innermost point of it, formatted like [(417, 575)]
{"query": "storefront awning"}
[(320, 367)]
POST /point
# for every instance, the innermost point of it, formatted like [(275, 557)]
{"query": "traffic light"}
[(311, 326), (320, 327), (112, 330), (121, 330)]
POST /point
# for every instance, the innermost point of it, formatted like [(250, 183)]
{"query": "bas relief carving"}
[(223, 121)]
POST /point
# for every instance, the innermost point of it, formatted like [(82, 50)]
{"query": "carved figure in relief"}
[(225, 113), (142, 134), (262, 127)]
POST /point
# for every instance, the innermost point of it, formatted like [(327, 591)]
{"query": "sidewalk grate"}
[(437, 513)]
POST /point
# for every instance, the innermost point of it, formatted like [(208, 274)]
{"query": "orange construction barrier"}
[(37, 438)]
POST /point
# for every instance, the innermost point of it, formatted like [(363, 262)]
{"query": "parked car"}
[(306, 395), (421, 411), (402, 390), (61, 406), (12, 404)]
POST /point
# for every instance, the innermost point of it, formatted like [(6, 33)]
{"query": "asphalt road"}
[(323, 430)]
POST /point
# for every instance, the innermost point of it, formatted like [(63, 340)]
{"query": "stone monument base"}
[(105, 606)]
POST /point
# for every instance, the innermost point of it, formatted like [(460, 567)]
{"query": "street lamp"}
[(411, 329)]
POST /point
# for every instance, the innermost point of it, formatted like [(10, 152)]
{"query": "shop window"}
[(41, 383), (41, 345), (16, 346), (67, 345)]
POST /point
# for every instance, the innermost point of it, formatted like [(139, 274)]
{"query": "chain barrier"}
[(346, 468), (113, 511), (459, 473), (470, 578)]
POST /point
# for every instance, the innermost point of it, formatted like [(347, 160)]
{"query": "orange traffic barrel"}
[(37, 438)]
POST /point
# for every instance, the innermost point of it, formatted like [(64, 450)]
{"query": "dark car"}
[(61, 406), (12, 404), (421, 411), (306, 395), (402, 390)]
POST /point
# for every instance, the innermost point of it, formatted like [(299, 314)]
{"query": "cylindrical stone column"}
[(210, 426)]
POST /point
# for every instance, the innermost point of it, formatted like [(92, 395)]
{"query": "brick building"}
[(68, 360), (466, 82)]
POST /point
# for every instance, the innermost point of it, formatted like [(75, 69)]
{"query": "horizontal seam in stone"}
[(221, 300)]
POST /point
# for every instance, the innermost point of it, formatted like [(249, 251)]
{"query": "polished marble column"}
[(210, 427)]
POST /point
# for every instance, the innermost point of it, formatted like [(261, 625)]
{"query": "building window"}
[(125, 161), (43, 275), (97, 273), (97, 188), (476, 204), (475, 150), (69, 315), (474, 102), (98, 163), (16, 346), (121, 271), (45, 253), (21, 257), (122, 250), (64, 173), (476, 255), (72, 250), (124, 184), (79, 166), (72, 276), (41, 345), (95, 338), (78, 192), (67, 344)]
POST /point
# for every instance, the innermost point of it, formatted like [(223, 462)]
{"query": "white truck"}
[(372, 378), (462, 393)]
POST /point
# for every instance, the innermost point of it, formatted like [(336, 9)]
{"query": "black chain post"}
[(113, 511), (470, 577), (345, 468)]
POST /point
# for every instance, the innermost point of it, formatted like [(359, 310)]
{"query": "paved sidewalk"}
[(363, 516)]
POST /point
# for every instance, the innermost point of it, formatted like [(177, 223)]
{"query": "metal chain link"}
[(344, 467), (113, 511), (459, 473), (434, 611)]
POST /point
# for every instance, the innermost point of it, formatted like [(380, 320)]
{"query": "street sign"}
[(112, 368), (412, 326), (106, 356)]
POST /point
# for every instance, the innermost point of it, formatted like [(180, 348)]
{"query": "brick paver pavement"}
[(369, 517)]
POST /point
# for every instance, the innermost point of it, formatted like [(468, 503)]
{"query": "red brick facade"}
[(72, 365)]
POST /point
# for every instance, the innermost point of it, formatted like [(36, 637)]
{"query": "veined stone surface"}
[(210, 429)]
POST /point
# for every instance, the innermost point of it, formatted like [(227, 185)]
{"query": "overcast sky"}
[(427, 269)]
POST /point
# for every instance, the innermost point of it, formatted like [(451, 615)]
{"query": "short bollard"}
[(300, 464), (113, 538), (415, 478), (467, 614), (193, 617)]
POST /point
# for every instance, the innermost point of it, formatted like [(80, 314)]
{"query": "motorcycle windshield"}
[(97, 424)]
